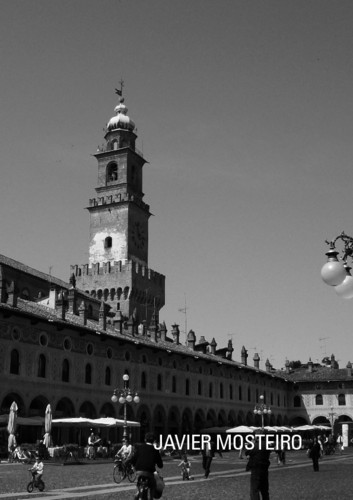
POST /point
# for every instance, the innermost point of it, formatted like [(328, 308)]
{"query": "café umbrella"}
[(47, 426), (11, 425)]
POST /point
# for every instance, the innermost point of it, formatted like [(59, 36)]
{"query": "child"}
[(185, 467), (38, 468)]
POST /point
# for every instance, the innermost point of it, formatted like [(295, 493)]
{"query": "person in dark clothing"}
[(145, 460), (315, 453), (207, 456), (258, 464)]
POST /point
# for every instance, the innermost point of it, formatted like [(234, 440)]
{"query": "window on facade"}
[(88, 374), (65, 371), (278, 400), (210, 391), (230, 391), (107, 376), (143, 380), (15, 362), (41, 366), (159, 382), (271, 398), (341, 400), (174, 385), (221, 395), (297, 401), (199, 388), (187, 387), (249, 394), (240, 393), (319, 399), (108, 242)]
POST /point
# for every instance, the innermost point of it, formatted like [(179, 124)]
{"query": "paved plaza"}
[(228, 480)]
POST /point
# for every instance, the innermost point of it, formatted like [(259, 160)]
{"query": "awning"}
[(93, 422)]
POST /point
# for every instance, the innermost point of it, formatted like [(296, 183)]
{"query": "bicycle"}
[(143, 486), (122, 470), (35, 483)]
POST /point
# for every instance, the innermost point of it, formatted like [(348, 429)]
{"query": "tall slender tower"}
[(118, 271)]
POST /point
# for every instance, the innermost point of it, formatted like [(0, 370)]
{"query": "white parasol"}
[(47, 426), (11, 426)]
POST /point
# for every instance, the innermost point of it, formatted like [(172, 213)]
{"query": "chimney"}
[(230, 349), (60, 306), (191, 340), (256, 360), (53, 297), (349, 369), (82, 311), (12, 295), (268, 365), (213, 346), (118, 322), (175, 334), (102, 317), (163, 331), (72, 300), (287, 366), (310, 366), (154, 327), (244, 356)]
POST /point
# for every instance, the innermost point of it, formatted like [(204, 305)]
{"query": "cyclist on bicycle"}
[(37, 469), (145, 460), (125, 451)]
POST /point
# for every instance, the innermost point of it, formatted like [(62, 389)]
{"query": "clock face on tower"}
[(138, 236)]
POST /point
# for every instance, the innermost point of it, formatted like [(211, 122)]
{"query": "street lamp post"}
[(336, 273), (125, 396), (262, 409)]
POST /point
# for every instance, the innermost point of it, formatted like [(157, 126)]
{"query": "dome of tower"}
[(121, 120)]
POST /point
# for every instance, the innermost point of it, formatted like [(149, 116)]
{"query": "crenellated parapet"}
[(117, 268), (117, 198)]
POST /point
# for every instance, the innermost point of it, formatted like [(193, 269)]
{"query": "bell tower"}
[(117, 271)]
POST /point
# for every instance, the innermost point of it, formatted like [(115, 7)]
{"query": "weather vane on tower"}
[(120, 92)]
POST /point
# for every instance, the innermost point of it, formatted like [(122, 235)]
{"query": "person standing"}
[(339, 442), (258, 465), (315, 454), (207, 456)]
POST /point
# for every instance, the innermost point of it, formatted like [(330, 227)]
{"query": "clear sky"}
[(244, 111)]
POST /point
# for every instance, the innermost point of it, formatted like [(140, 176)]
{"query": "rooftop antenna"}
[(184, 311), (323, 347), (50, 268)]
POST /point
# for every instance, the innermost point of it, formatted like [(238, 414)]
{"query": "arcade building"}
[(70, 343)]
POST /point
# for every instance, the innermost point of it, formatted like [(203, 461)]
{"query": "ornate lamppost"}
[(262, 409), (336, 273), (125, 396)]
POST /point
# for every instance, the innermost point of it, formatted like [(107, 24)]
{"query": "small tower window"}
[(112, 172), (108, 242)]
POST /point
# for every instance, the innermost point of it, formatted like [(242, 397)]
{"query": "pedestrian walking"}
[(315, 453), (207, 456), (258, 464)]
